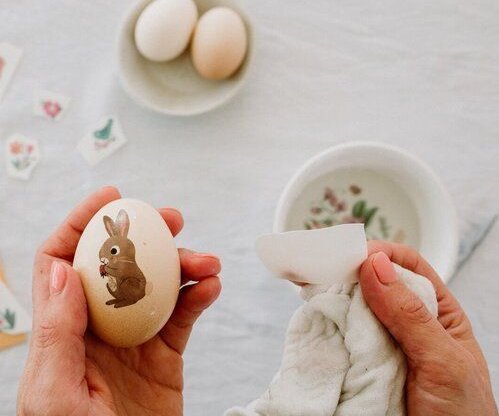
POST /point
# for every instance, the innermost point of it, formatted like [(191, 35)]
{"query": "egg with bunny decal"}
[(130, 271)]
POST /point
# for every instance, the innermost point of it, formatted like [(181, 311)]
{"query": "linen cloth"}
[(338, 359), (419, 74)]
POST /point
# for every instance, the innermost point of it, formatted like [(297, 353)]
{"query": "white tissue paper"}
[(337, 359), (324, 256)]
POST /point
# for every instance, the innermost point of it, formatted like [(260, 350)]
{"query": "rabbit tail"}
[(148, 287)]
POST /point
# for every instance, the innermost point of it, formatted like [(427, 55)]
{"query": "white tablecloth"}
[(423, 75)]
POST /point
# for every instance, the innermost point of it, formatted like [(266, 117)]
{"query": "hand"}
[(69, 371), (447, 372)]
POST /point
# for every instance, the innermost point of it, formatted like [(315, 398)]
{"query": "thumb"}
[(57, 343), (400, 310)]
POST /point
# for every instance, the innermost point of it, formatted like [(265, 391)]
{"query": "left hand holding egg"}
[(71, 371)]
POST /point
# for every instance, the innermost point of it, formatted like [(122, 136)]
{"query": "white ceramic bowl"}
[(438, 231), (175, 87)]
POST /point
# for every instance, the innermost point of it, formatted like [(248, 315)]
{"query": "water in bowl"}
[(357, 196)]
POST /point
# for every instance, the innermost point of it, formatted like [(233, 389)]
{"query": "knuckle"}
[(47, 334), (457, 322), (415, 309)]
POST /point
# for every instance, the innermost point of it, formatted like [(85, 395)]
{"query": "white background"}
[(423, 75)]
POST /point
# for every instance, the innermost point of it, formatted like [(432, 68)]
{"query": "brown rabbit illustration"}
[(126, 282)]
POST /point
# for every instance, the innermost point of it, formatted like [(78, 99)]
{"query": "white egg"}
[(219, 43), (164, 29), (130, 270)]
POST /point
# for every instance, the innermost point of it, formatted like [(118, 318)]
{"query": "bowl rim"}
[(144, 103), (285, 200)]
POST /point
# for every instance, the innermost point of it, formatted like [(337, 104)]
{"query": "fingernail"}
[(173, 209), (384, 268), (206, 256), (57, 278)]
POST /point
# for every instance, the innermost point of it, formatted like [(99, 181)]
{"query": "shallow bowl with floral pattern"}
[(396, 195)]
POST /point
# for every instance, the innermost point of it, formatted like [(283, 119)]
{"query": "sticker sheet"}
[(102, 141), (22, 155), (50, 105), (10, 56)]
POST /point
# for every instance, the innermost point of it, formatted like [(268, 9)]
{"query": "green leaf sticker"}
[(105, 132), (358, 208), (368, 216), (9, 317), (328, 222), (384, 227)]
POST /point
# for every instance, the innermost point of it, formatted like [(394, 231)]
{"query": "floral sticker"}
[(351, 208), (22, 155), (50, 105)]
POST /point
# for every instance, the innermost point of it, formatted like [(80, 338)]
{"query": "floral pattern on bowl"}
[(348, 206)]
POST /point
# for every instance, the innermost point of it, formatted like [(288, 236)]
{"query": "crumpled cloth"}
[(338, 359)]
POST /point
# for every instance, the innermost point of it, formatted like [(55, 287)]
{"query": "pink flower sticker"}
[(16, 148), (49, 105), (51, 108)]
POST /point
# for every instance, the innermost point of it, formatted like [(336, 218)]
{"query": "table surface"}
[(422, 75)]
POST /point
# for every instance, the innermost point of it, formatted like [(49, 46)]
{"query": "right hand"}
[(447, 372)]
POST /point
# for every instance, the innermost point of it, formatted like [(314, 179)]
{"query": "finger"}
[(173, 219), (400, 310), (450, 313), (62, 244), (57, 348), (197, 266), (409, 259), (192, 301)]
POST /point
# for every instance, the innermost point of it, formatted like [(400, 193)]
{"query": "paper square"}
[(50, 105), (13, 318), (8, 340), (102, 141), (10, 56), (320, 256), (22, 155)]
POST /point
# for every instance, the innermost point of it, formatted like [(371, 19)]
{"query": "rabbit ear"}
[(122, 223), (109, 224)]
